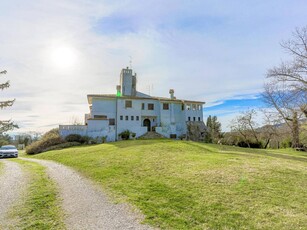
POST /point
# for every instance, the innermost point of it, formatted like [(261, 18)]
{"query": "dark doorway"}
[(146, 122)]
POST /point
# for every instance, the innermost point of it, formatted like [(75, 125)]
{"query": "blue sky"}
[(57, 52)]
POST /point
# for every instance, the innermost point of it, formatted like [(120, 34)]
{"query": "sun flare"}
[(63, 57)]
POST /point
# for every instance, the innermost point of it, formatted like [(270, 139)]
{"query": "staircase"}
[(151, 135)]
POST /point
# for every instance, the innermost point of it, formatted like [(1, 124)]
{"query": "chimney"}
[(118, 91), (171, 92)]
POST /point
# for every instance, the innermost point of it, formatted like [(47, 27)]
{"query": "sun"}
[(63, 57)]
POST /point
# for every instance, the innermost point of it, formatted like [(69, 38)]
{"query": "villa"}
[(128, 109)]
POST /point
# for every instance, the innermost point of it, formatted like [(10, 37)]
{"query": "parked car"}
[(8, 151)]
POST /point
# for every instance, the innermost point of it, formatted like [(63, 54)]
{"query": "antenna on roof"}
[(130, 62)]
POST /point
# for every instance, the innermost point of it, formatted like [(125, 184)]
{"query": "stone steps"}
[(151, 135)]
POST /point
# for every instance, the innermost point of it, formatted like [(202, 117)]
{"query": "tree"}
[(287, 104), (5, 139), (6, 125), (293, 73), (286, 90), (213, 129), (246, 126)]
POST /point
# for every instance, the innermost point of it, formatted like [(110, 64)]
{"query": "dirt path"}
[(85, 205), (12, 182)]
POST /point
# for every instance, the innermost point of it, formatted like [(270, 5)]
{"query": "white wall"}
[(136, 126), (103, 106), (193, 113)]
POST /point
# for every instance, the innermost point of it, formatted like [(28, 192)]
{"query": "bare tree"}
[(286, 90), (75, 120), (6, 125), (293, 72), (272, 130), (246, 126), (287, 103)]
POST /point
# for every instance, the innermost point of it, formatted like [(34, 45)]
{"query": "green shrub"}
[(85, 140), (49, 139), (125, 135), (104, 139), (73, 138), (77, 138)]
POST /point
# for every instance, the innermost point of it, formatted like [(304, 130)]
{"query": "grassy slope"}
[(40, 208), (187, 185)]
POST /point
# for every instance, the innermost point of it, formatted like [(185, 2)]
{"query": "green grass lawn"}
[(40, 208), (188, 185)]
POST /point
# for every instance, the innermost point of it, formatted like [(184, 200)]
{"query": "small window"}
[(189, 118), (150, 106), (132, 118), (100, 116), (127, 118), (198, 118), (121, 118), (193, 107), (194, 119), (128, 104), (199, 107), (143, 106), (165, 106), (137, 118), (153, 120), (182, 106), (188, 107), (111, 121)]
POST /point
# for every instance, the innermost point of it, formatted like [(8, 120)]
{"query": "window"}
[(189, 118), (100, 116), (132, 118), (188, 107), (182, 106), (111, 121), (143, 106), (198, 118), (128, 104), (121, 118), (165, 106), (198, 107), (137, 118), (126, 118), (150, 106), (194, 118), (193, 107)]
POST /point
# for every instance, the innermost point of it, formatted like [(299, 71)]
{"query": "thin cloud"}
[(211, 51)]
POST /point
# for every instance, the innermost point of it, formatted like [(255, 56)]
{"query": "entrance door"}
[(146, 122)]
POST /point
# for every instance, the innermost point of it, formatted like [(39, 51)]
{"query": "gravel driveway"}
[(12, 182), (85, 205)]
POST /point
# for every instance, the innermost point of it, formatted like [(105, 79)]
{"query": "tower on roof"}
[(128, 82)]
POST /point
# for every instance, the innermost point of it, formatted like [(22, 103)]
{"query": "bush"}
[(125, 135), (73, 138), (104, 139), (77, 138), (255, 145), (51, 138)]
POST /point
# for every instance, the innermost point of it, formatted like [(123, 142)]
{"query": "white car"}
[(8, 151)]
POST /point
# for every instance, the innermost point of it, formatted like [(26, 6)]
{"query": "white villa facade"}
[(137, 112)]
